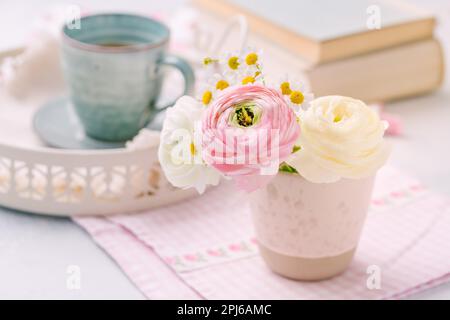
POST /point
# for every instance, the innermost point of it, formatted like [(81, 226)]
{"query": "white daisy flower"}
[(252, 57), (214, 85), (252, 60), (223, 81), (180, 150), (249, 75), (230, 62), (206, 94), (250, 67), (295, 93)]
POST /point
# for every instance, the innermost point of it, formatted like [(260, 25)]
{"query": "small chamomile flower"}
[(244, 68), (230, 62), (252, 60), (249, 76), (214, 86), (223, 81), (252, 57), (206, 94), (295, 93), (250, 68)]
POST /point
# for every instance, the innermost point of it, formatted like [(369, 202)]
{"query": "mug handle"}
[(186, 71)]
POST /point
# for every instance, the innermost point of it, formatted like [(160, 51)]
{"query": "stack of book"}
[(372, 52)]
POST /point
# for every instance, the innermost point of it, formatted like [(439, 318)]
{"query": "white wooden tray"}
[(43, 180)]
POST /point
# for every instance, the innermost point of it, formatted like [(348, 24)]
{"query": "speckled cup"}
[(310, 231), (112, 65)]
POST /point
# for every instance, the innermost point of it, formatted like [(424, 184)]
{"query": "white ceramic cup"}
[(309, 231)]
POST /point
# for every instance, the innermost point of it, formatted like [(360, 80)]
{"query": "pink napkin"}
[(204, 248)]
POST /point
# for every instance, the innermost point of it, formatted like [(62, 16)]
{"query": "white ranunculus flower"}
[(179, 154), (340, 137)]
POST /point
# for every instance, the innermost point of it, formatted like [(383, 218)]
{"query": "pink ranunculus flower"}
[(247, 132)]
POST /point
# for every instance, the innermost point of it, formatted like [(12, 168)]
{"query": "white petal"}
[(308, 168), (192, 173)]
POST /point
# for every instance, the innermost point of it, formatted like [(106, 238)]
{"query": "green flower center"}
[(245, 114)]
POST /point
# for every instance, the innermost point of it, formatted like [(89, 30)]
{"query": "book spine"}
[(382, 76)]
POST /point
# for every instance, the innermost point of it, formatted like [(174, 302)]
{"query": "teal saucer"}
[(57, 124)]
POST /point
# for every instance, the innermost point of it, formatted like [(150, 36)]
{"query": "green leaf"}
[(296, 148), (284, 167)]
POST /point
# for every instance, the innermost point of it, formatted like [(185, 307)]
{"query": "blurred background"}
[(404, 67), (392, 54)]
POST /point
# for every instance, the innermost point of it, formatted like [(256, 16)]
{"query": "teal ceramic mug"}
[(112, 65)]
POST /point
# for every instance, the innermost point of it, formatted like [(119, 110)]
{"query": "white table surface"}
[(35, 251)]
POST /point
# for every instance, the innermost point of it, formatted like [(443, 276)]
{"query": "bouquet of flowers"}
[(243, 128)]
